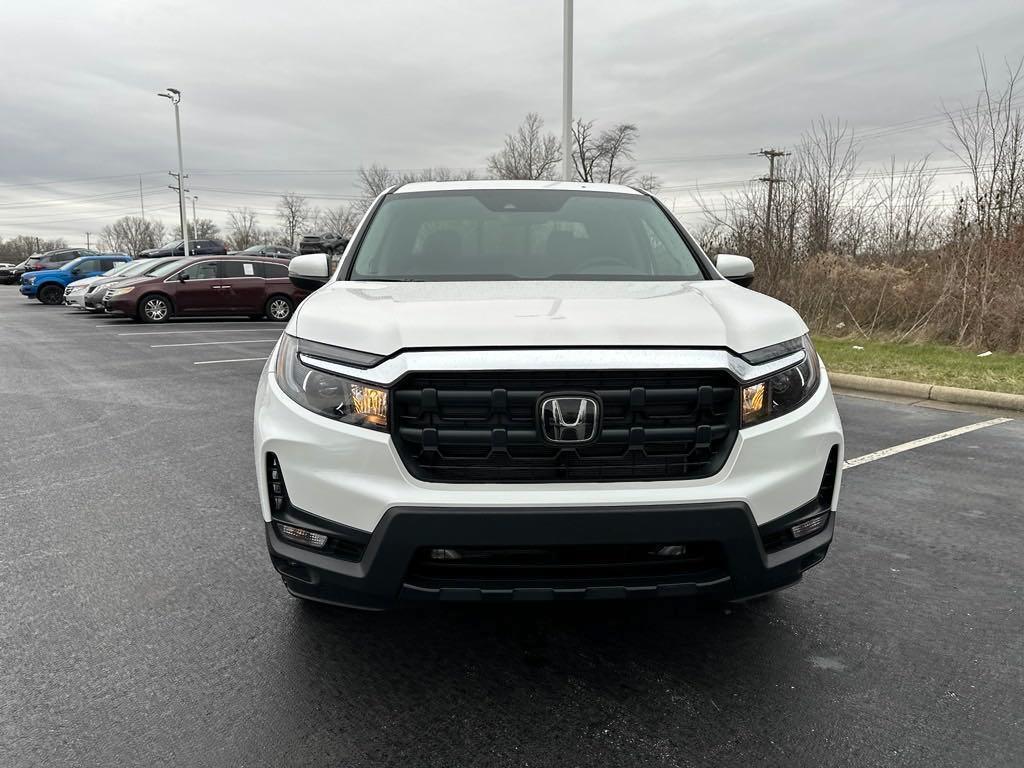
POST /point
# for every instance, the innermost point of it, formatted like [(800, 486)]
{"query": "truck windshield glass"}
[(517, 234)]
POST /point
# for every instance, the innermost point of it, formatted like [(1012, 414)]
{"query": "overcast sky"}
[(271, 88)]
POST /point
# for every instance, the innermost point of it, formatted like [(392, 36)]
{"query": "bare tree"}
[(988, 137), (243, 228), (294, 213), (19, 248), (903, 217), (341, 220), (375, 179), (604, 157), (585, 151), (201, 229), (649, 182), (131, 234), (529, 153), (828, 160)]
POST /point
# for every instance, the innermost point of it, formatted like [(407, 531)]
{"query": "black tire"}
[(278, 308), (154, 308), (51, 294)]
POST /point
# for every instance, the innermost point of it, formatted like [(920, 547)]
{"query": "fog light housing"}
[(443, 553), (671, 550), (301, 536), (809, 527)]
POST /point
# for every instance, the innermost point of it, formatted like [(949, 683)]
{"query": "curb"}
[(978, 397)]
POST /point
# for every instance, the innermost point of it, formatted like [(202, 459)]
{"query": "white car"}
[(74, 293), (540, 391)]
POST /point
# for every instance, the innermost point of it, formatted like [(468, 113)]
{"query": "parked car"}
[(177, 248), (329, 243), (56, 259), (12, 275), (48, 285), (271, 251), (541, 391), (75, 294), (208, 286), (95, 292)]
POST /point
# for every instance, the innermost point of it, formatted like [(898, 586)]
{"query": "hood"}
[(125, 281), (83, 282), (384, 318)]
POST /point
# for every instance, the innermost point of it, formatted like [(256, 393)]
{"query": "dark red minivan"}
[(218, 285)]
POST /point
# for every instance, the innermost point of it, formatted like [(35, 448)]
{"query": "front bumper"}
[(94, 301), (120, 305), (75, 299), (385, 572), (351, 480), (28, 289)]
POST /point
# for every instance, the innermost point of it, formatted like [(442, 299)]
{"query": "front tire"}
[(51, 295), (278, 308), (154, 308)]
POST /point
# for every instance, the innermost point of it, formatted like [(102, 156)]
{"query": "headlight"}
[(120, 291), (28, 280), (782, 392), (327, 394)]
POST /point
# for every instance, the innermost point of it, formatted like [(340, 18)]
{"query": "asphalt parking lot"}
[(142, 624)]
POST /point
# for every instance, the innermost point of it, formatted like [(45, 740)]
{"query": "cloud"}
[(333, 85)]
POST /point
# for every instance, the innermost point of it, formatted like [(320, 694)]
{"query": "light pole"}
[(175, 96), (567, 90), (195, 221)]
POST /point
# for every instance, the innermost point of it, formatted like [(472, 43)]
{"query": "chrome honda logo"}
[(569, 418)]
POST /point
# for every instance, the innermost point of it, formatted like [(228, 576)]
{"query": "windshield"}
[(140, 267), (71, 265), (517, 234), (119, 269), (165, 269), (171, 245), (254, 249)]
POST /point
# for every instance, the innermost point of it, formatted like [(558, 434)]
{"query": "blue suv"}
[(48, 285)]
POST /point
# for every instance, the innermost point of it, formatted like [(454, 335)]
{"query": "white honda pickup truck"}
[(540, 391)]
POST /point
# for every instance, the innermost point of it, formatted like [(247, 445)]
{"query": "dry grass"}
[(926, 363)]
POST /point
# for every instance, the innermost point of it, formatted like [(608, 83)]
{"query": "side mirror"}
[(182, 277), (309, 271), (738, 269)]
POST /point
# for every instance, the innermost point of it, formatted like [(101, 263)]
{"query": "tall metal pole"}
[(142, 202), (195, 221), (567, 90), (181, 176)]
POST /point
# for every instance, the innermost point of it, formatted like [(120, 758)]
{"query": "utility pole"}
[(771, 181), (88, 245), (567, 90), (181, 193), (195, 221), (142, 202), (174, 95)]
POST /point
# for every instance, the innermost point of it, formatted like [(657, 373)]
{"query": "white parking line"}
[(192, 325), (236, 360), (886, 452), (219, 330), (210, 343)]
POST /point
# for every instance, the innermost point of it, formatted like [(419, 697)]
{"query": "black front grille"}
[(483, 427), (520, 565)]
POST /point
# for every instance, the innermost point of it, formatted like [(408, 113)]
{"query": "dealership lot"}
[(139, 614)]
